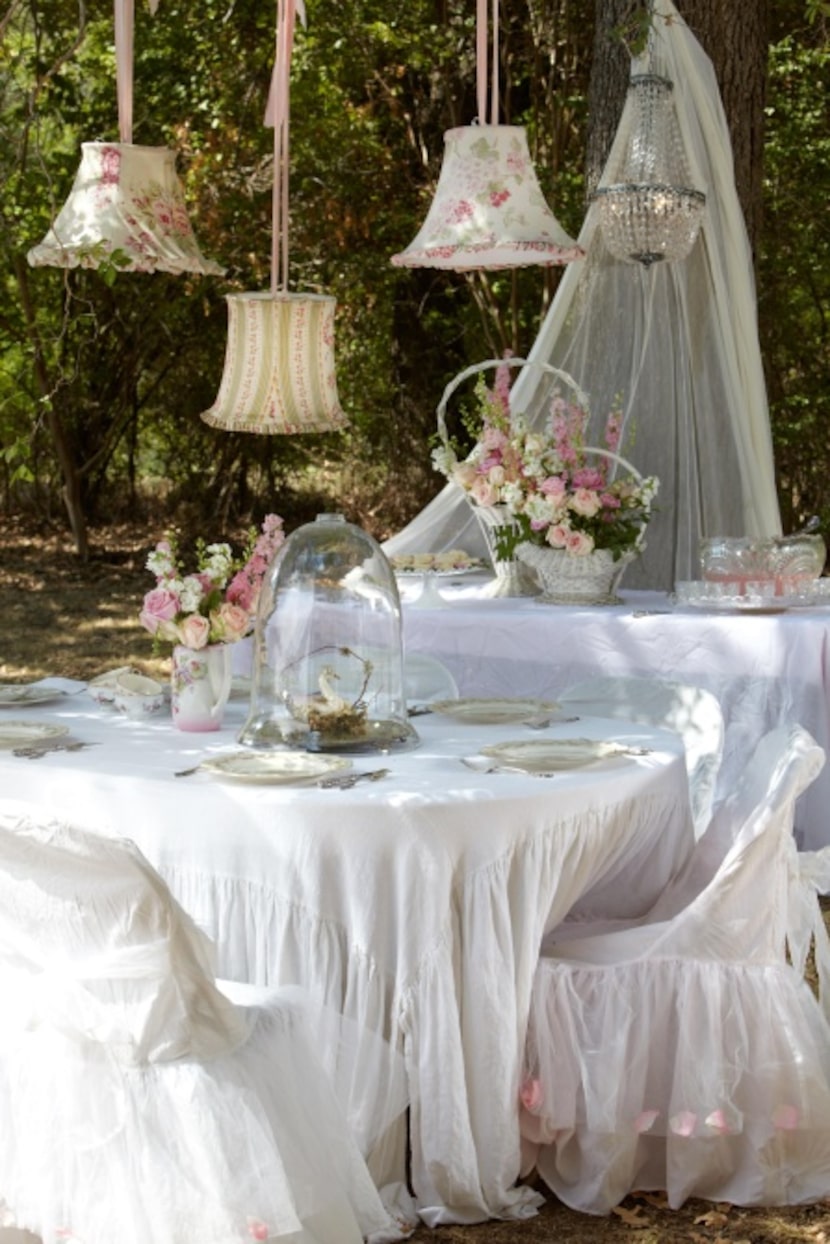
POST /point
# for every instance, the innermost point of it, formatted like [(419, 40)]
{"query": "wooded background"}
[(103, 375)]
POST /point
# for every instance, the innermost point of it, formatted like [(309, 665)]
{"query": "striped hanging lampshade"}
[(279, 374)]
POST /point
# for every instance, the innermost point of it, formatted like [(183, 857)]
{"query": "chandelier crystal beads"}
[(651, 213)]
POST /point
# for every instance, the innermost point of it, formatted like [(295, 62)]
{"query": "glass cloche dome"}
[(328, 659)]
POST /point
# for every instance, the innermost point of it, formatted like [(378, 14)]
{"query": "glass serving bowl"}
[(786, 562)]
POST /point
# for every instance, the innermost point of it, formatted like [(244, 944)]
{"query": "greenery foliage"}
[(103, 374)]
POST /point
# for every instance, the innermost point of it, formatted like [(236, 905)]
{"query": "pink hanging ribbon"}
[(124, 27), (124, 55), (481, 63), (277, 115)]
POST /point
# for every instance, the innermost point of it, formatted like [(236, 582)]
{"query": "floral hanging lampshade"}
[(279, 374), (279, 371), (489, 210), (126, 206)]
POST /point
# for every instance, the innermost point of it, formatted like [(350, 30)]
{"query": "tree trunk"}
[(734, 36), (71, 477)]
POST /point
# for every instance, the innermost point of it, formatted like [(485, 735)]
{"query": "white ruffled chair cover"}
[(138, 1101), (687, 1055), (691, 712)]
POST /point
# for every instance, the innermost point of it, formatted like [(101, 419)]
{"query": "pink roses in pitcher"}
[(215, 603)]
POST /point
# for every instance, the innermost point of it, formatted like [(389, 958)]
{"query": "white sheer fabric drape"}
[(677, 344)]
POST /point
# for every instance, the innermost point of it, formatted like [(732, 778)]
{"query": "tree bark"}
[(735, 37), (71, 478)]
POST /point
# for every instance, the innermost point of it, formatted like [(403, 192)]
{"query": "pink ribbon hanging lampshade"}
[(489, 210), (126, 206), (279, 374)]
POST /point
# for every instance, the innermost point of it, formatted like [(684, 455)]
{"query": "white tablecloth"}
[(766, 669), (415, 904)]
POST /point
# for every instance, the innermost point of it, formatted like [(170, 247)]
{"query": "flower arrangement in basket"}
[(547, 489), (215, 602)]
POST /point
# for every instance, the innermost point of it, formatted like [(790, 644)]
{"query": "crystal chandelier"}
[(651, 213)]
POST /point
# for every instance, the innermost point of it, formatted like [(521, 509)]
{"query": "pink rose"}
[(579, 543), (553, 486), (585, 502), (194, 631), (557, 536), (159, 606), (229, 622), (464, 475), (483, 492), (588, 477)]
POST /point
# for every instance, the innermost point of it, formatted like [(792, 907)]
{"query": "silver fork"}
[(35, 753), (484, 766), (542, 722), (346, 781)]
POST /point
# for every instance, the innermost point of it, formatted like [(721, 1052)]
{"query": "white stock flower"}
[(512, 494), (190, 593), (160, 563), (217, 562), (539, 509)]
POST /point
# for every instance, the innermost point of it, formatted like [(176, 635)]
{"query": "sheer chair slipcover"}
[(688, 1055), (677, 343), (138, 1102), (691, 712)]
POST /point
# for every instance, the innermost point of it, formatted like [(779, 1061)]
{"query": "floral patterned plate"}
[(484, 712), (275, 768), (23, 733), (18, 695), (546, 755)]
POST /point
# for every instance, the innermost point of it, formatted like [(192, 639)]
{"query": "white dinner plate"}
[(483, 712), (18, 695), (275, 768), (548, 755), (22, 733)]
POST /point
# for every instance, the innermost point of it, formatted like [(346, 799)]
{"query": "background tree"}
[(104, 376)]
